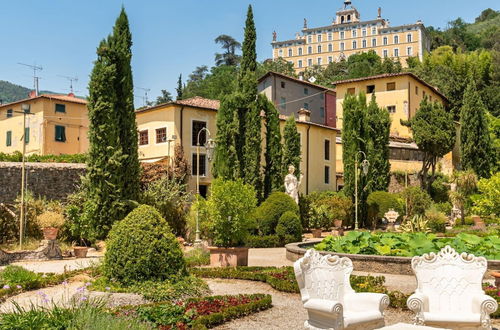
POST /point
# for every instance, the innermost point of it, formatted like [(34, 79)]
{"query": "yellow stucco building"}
[(58, 124), (161, 127), (348, 35)]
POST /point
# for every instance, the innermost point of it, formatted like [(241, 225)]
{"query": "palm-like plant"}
[(230, 45), (466, 185)]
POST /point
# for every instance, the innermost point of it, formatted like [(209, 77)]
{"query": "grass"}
[(32, 244)]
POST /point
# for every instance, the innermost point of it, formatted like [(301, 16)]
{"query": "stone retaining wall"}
[(367, 263), (50, 180)]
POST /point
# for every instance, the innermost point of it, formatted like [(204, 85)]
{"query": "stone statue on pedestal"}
[(292, 184)]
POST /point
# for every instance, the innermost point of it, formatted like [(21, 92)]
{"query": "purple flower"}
[(6, 286), (19, 287), (87, 284), (83, 298), (65, 283), (81, 289), (108, 288)]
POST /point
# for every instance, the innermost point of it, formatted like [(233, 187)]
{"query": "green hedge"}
[(271, 210), (18, 157), (268, 241)]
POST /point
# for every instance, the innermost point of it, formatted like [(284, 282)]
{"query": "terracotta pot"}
[(228, 257), (317, 233), (80, 251), (50, 233), (496, 275), (337, 223)]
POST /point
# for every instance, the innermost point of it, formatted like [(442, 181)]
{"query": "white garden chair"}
[(449, 291), (330, 301)]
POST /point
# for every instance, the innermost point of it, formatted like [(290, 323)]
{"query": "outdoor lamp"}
[(365, 164), (210, 146)]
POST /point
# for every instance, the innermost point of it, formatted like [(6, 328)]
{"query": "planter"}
[(496, 275), (50, 233), (80, 251), (317, 233), (228, 257), (337, 223)]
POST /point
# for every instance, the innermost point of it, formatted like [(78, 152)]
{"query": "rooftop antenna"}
[(35, 77), (71, 79), (146, 90)]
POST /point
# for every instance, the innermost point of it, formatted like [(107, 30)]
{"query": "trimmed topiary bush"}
[(289, 224), (142, 247), (269, 212), (418, 201), (379, 202), (436, 220)]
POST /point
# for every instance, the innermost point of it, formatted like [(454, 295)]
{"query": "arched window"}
[(408, 37), (319, 48), (300, 51), (396, 39), (374, 42), (348, 18), (364, 43), (385, 41), (290, 52), (354, 44), (309, 50), (330, 47)]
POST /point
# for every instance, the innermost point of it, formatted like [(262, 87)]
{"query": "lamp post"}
[(209, 146), (365, 164)]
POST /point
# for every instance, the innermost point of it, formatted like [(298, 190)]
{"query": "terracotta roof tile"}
[(59, 97), (200, 102)]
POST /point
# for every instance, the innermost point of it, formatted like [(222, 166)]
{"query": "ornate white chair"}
[(330, 301), (449, 291)]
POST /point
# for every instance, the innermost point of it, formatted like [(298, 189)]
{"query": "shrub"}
[(289, 224), (379, 203), (169, 197), (268, 241), (436, 220), (197, 257), (417, 200), (16, 275), (50, 219), (487, 201), (270, 211), (142, 247), (320, 217), (199, 206), (444, 207), (17, 156), (75, 228), (440, 189), (304, 210), (339, 206), (415, 224), (230, 206)]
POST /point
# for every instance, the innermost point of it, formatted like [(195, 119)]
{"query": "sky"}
[(173, 37)]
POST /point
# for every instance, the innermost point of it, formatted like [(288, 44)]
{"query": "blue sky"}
[(173, 37)]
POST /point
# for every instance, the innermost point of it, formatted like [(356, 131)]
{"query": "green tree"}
[(279, 65), (249, 58), (434, 133), (466, 183), (379, 124), (165, 97), (218, 83), (291, 146), (230, 45), (475, 143), (179, 88)]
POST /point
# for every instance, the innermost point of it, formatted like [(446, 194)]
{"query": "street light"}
[(210, 148), (365, 164)]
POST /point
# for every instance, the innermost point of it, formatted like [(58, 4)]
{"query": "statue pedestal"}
[(338, 232), (48, 249)]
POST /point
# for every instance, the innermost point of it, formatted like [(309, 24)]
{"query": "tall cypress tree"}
[(179, 87), (249, 56), (379, 124), (291, 146), (476, 147)]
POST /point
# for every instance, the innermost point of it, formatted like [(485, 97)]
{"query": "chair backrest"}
[(323, 277), (449, 279)]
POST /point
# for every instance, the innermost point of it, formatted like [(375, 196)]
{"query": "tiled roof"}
[(298, 121), (200, 102), (304, 82), (388, 75), (59, 97)]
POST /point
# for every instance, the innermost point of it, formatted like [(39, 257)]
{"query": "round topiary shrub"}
[(142, 247), (379, 202), (270, 211), (289, 224)]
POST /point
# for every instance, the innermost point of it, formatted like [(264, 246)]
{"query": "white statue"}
[(292, 184)]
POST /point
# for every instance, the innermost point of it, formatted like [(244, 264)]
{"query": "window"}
[(391, 86), (8, 139), (341, 46), (299, 63), (354, 44), (290, 52), (322, 111), (364, 32), (396, 39), (306, 106), (385, 41), (306, 91), (319, 48), (342, 35), (409, 51), (309, 62), (370, 89), (408, 37), (280, 53), (300, 51), (374, 31), (10, 113), (385, 53), (348, 18), (364, 43), (327, 174), (197, 126), (330, 36), (319, 60), (354, 33), (309, 50), (396, 52), (374, 42), (60, 107), (60, 134), (327, 149), (203, 190), (423, 94), (309, 39), (27, 135), (202, 164), (143, 138), (283, 103), (161, 135), (322, 96), (391, 108), (319, 37), (416, 90), (351, 91), (282, 84), (330, 59), (330, 47)]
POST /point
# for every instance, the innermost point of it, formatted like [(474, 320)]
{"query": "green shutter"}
[(60, 108), (27, 135), (9, 138), (60, 133)]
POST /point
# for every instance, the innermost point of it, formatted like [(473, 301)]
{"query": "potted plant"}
[(50, 222), (77, 227), (230, 206), (320, 217)]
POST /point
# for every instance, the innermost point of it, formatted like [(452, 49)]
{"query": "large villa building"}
[(348, 35)]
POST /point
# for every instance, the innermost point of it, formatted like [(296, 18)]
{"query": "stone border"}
[(367, 263)]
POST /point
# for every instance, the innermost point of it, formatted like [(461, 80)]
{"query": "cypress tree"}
[(273, 173), (249, 56), (291, 146), (179, 87), (379, 123), (476, 147)]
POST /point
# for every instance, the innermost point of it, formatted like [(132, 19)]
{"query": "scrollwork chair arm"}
[(417, 302), (484, 304), (325, 306), (363, 301)]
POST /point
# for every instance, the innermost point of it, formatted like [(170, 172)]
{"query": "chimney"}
[(32, 94), (304, 115), (71, 95)]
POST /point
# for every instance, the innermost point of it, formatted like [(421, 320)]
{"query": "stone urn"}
[(391, 217), (228, 257), (80, 251), (50, 233), (317, 233)]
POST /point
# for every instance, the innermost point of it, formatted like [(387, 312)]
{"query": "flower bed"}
[(493, 292), (409, 245), (197, 313)]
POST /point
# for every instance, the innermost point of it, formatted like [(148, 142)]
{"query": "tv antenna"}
[(71, 79), (35, 68), (145, 98)]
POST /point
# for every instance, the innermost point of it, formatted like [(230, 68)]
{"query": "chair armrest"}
[(325, 306), (363, 301), (484, 304), (418, 303)]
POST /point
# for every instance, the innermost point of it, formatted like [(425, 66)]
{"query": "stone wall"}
[(397, 182), (50, 180)]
